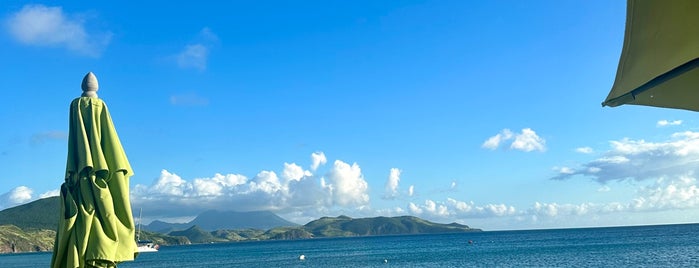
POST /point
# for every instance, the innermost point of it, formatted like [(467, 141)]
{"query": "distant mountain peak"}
[(212, 220)]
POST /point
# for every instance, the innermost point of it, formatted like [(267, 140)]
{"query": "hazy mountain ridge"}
[(35, 232), (212, 220)]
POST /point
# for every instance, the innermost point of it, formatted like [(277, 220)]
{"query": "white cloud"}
[(266, 181), (564, 170), (680, 193), (494, 141), (170, 184), (455, 209), (663, 194), (293, 191), (346, 185), (392, 184), (555, 210), (411, 190), (584, 150), (664, 123), (317, 159), (51, 193), (41, 25), (414, 209), (16, 196), (643, 160), (294, 172), (526, 141), (196, 55)]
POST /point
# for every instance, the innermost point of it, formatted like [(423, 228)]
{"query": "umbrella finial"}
[(90, 85)]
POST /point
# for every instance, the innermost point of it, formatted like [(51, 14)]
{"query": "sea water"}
[(639, 246)]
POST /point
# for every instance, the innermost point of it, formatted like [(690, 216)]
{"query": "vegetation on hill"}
[(197, 235), (346, 226), (31, 227), (163, 239), (212, 220), (40, 214), (14, 239)]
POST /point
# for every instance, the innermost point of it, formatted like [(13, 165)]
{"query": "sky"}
[(485, 113)]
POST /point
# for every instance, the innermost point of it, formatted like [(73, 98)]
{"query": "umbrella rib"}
[(631, 96)]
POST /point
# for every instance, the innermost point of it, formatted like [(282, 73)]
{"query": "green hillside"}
[(212, 220), (40, 214), (346, 226), (14, 239), (197, 235), (31, 227)]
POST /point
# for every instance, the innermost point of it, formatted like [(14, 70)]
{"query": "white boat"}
[(144, 245), (147, 246)]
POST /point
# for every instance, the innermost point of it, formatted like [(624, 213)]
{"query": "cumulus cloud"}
[(16, 196), (494, 141), (392, 184), (292, 191), (527, 140), (642, 160), (40, 25), (660, 195), (680, 193), (663, 194), (294, 172), (664, 123), (346, 185), (453, 208), (411, 190), (317, 159), (196, 55)]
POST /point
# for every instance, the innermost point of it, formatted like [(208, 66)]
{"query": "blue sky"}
[(485, 113)]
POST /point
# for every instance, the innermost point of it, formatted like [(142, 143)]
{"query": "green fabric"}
[(96, 226), (660, 56)]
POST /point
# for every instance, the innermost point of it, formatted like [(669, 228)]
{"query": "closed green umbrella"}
[(660, 56), (96, 226)]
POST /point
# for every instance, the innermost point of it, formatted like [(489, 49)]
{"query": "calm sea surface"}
[(641, 246)]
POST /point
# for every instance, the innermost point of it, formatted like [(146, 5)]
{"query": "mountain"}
[(341, 226), (31, 227), (14, 239), (39, 214), (197, 235), (346, 226), (212, 220)]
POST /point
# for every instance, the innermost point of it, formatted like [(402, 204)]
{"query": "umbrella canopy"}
[(96, 226), (660, 56)]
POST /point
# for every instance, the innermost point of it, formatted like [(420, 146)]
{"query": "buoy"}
[(302, 257), (385, 261)]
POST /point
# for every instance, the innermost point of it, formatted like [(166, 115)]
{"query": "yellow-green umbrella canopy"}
[(660, 57), (96, 227)]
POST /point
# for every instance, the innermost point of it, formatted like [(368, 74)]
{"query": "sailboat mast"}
[(138, 235)]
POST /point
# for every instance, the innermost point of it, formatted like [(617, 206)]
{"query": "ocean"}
[(634, 246)]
